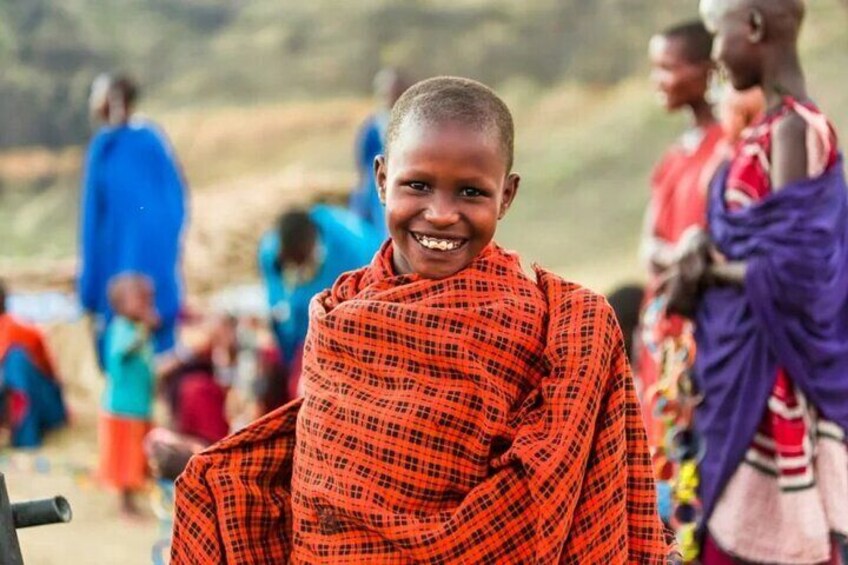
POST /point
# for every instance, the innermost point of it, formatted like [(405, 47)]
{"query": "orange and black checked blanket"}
[(482, 418)]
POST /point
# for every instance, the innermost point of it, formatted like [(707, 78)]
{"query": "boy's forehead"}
[(418, 130)]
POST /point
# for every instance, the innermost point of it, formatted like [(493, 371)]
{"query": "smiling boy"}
[(454, 410)]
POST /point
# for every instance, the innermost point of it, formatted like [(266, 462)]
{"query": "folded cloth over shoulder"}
[(792, 313)]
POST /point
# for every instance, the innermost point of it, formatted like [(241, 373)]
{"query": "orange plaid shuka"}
[(481, 418)]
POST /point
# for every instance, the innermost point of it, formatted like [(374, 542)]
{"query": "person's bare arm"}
[(729, 273), (789, 151)]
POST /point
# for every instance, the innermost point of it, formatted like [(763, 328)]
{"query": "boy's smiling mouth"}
[(434, 243)]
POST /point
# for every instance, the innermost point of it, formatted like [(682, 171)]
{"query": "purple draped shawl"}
[(792, 313)]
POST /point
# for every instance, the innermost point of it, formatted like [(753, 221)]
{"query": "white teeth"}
[(438, 244)]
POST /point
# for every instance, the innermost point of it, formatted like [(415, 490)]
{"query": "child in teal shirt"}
[(127, 400)]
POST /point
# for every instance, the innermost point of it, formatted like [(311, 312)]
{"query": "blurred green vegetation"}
[(235, 51), (250, 90)]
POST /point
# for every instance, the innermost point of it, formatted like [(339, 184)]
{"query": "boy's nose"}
[(441, 212)]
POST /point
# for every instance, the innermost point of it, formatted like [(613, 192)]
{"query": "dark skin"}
[(681, 84), (756, 44), (105, 110), (443, 184)]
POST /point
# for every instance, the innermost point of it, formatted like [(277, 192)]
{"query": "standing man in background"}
[(133, 209), (389, 84)]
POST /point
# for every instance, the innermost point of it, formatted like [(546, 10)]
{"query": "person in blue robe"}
[(364, 201), (133, 210), (304, 255)]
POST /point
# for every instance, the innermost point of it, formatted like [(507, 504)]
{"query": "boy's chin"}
[(436, 272)]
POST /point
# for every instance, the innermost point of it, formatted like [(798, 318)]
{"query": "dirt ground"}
[(97, 535)]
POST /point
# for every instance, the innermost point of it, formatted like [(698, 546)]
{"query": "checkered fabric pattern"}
[(482, 418)]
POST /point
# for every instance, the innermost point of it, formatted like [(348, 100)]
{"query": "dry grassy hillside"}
[(585, 154)]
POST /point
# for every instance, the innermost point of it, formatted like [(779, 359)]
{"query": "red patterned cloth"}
[(480, 418), (749, 178), (678, 203), (679, 183)]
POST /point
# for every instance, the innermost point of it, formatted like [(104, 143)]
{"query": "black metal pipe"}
[(54, 510), (10, 550)]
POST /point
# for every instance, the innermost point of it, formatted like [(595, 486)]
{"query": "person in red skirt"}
[(127, 401)]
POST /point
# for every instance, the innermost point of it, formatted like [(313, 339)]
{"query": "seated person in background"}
[(227, 381), (303, 256), (195, 386), (31, 401)]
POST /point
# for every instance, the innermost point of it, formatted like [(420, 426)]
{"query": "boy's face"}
[(738, 35), (679, 82), (137, 301), (445, 187)]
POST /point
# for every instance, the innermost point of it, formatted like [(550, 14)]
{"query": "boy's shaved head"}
[(696, 41), (457, 100)]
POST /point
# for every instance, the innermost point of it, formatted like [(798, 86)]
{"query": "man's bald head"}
[(752, 38), (780, 19)]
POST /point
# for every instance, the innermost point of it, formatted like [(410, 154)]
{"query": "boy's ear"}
[(380, 177), (756, 26), (510, 189)]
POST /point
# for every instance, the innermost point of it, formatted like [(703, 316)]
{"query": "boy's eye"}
[(416, 185), (471, 192)]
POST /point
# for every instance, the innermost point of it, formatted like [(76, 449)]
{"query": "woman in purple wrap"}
[(770, 281)]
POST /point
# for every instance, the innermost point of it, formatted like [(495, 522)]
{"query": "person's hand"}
[(693, 255), (687, 274), (694, 240), (152, 321), (681, 294), (166, 364)]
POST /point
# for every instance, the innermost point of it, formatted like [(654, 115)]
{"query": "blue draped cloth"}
[(365, 200), (792, 313), (348, 242), (45, 409), (132, 219)]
